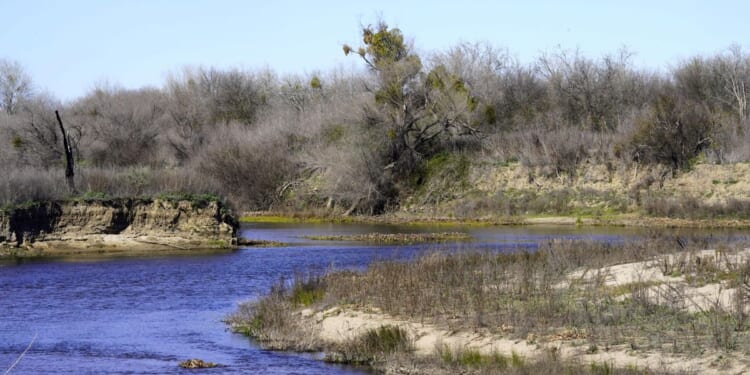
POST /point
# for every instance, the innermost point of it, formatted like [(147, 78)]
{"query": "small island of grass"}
[(396, 238)]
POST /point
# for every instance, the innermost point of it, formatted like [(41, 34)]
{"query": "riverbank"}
[(401, 218), (656, 307), (116, 226), (486, 193)]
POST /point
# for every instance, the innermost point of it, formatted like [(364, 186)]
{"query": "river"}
[(143, 315)]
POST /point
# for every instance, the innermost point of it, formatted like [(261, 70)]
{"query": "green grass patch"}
[(473, 358), (307, 293), (373, 344), (395, 238), (280, 219)]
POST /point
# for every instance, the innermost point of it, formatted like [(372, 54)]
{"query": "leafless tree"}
[(591, 94), (734, 70), (124, 125), (15, 85)]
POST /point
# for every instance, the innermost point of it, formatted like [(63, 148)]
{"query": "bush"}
[(249, 167), (673, 133)]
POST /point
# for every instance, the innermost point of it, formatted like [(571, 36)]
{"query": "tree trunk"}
[(69, 174)]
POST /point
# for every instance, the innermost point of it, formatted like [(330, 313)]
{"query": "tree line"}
[(362, 140)]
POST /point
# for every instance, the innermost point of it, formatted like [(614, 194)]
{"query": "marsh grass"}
[(395, 238), (272, 320), (307, 290), (373, 345), (468, 357)]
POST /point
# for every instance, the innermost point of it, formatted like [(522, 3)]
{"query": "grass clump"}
[(306, 292), (473, 358), (372, 346), (471, 361), (272, 320), (199, 200)]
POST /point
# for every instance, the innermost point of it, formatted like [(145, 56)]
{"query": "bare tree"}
[(38, 137), (15, 85), (124, 126), (69, 173), (734, 71), (591, 94)]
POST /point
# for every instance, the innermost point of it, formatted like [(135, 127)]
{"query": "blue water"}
[(143, 315)]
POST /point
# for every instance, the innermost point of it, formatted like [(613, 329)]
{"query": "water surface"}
[(143, 315)]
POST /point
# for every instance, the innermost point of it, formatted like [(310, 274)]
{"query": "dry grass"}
[(519, 293), (448, 361), (531, 296), (272, 320)]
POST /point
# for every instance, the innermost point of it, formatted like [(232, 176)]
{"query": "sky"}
[(68, 47)]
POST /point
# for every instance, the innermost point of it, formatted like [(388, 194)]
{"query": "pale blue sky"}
[(68, 46)]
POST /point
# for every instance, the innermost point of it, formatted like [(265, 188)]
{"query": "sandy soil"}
[(340, 324)]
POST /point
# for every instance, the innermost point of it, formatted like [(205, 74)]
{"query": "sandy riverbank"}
[(690, 282)]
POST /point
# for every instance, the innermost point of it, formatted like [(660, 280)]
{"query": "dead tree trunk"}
[(69, 175)]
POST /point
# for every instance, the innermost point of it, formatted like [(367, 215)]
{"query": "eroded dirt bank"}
[(115, 225)]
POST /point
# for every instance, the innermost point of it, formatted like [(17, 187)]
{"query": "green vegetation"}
[(372, 346), (474, 359), (278, 219), (307, 292), (395, 238)]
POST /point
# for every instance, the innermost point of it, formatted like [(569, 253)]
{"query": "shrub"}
[(673, 133), (247, 166)]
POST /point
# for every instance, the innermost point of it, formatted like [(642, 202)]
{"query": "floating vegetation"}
[(395, 238)]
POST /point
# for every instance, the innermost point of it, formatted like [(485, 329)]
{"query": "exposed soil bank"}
[(115, 225), (707, 195)]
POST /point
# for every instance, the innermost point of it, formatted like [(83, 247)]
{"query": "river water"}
[(143, 315)]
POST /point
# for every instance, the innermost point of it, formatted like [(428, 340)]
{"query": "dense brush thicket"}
[(368, 136)]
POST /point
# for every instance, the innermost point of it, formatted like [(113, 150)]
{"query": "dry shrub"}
[(138, 181), (248, 166), (674, 133), (695, 208), (30, 184), (33, 184), (556, 151)]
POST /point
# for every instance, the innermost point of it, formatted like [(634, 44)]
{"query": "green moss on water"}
[(395, 238)]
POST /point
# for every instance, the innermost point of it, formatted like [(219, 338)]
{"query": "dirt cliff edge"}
[(118, 224)]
